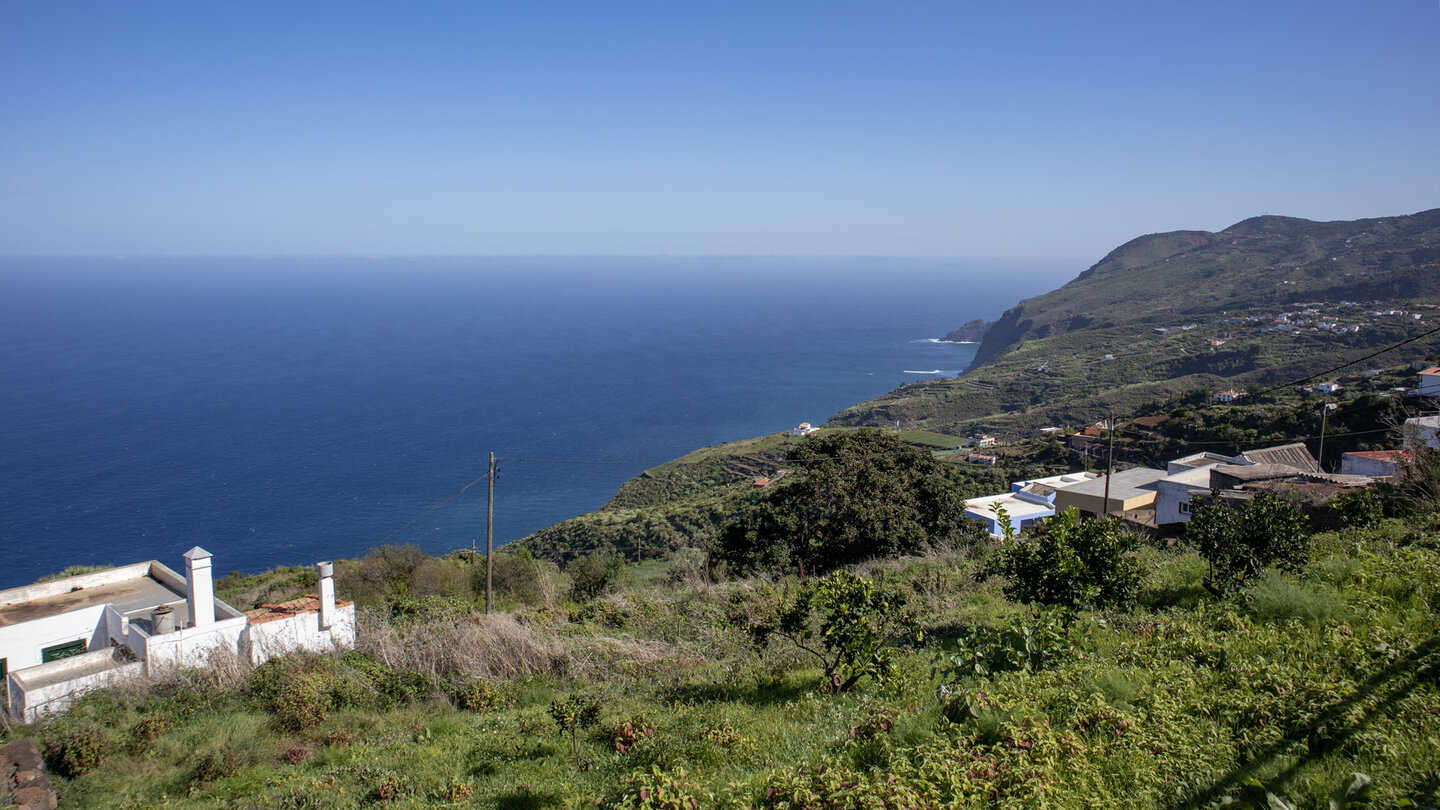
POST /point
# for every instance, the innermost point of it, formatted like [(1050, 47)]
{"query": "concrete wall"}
[(1094, 505), (300, 632), (51, 687), (21, 644), (1169, 497), (1351, 464), (55, 587), (186, 648)]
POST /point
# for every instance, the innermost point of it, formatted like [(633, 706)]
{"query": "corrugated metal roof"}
[(1294, 455)]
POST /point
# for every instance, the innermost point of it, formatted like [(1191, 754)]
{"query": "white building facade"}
[(62, 638)]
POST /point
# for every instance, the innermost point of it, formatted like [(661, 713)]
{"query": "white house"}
[(1185, 478), (1424, 430), (1229, 396), (1429, 382), (62, 638), (1374, 463), (803, 429), (1328, 387)]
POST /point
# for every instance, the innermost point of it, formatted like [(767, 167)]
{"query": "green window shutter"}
[(62, 651)]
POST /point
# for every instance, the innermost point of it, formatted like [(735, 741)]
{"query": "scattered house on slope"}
[(982, 440), (1026, 503), (761, 482), (62, 638), (1229, 396), (1091, 440), (1130, 490), (803, 429), (1295, 455), (1374, 463), (1429, 382), (1328, 387), (978, 458)]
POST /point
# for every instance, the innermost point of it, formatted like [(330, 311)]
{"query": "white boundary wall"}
[(299, 632)]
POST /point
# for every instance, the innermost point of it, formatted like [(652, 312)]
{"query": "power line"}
[(448, 499), (584, 461), (1328, 372)]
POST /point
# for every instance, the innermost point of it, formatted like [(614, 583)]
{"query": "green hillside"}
[(1094, 346)]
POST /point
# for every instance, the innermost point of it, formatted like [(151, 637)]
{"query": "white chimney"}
[(199, 590), (327, 594)]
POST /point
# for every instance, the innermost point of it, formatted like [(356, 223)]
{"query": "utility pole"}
[(1324, 420), (1109, 462), (490, 538)]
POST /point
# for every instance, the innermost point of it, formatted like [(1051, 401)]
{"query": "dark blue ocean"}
[(282, 411)]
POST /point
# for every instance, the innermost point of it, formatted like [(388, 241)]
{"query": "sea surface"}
[(284, 410)]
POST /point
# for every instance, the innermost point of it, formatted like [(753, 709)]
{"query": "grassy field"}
[(926, 438), (1294, 683)]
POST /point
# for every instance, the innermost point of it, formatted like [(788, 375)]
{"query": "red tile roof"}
[(309, 603), (1379, 455)]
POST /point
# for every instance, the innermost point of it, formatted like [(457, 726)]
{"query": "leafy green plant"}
[(1068, 562), (1359, 509), (624, 735), (657, 789), (847, 624), (1239, 544), (572, 714), (477, 695), (877, 722), (1027, 644)]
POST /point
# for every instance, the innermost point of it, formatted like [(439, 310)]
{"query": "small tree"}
[(571, 715), (1068, 562), (1239, 544), (845, 623), (594, 574)]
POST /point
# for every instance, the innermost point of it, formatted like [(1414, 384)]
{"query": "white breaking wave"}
[(931, 371)]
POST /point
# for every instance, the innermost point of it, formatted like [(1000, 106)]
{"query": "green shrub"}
[(477, 695), (1065, 561), (387, 786), (594, 574), (147, 729), (571, 715), (877, 722), (77, 750), (302, 701), (1239, 544), (1359, 509), (845, 622)]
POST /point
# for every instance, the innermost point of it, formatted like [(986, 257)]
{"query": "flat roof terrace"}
[(128, 596)]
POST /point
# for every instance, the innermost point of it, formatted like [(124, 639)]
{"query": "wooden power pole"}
[(490, 538)]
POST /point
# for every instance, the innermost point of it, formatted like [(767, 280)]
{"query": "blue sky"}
[(938, 129)]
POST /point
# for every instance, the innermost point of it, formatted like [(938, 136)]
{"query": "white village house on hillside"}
[(62, 638)]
